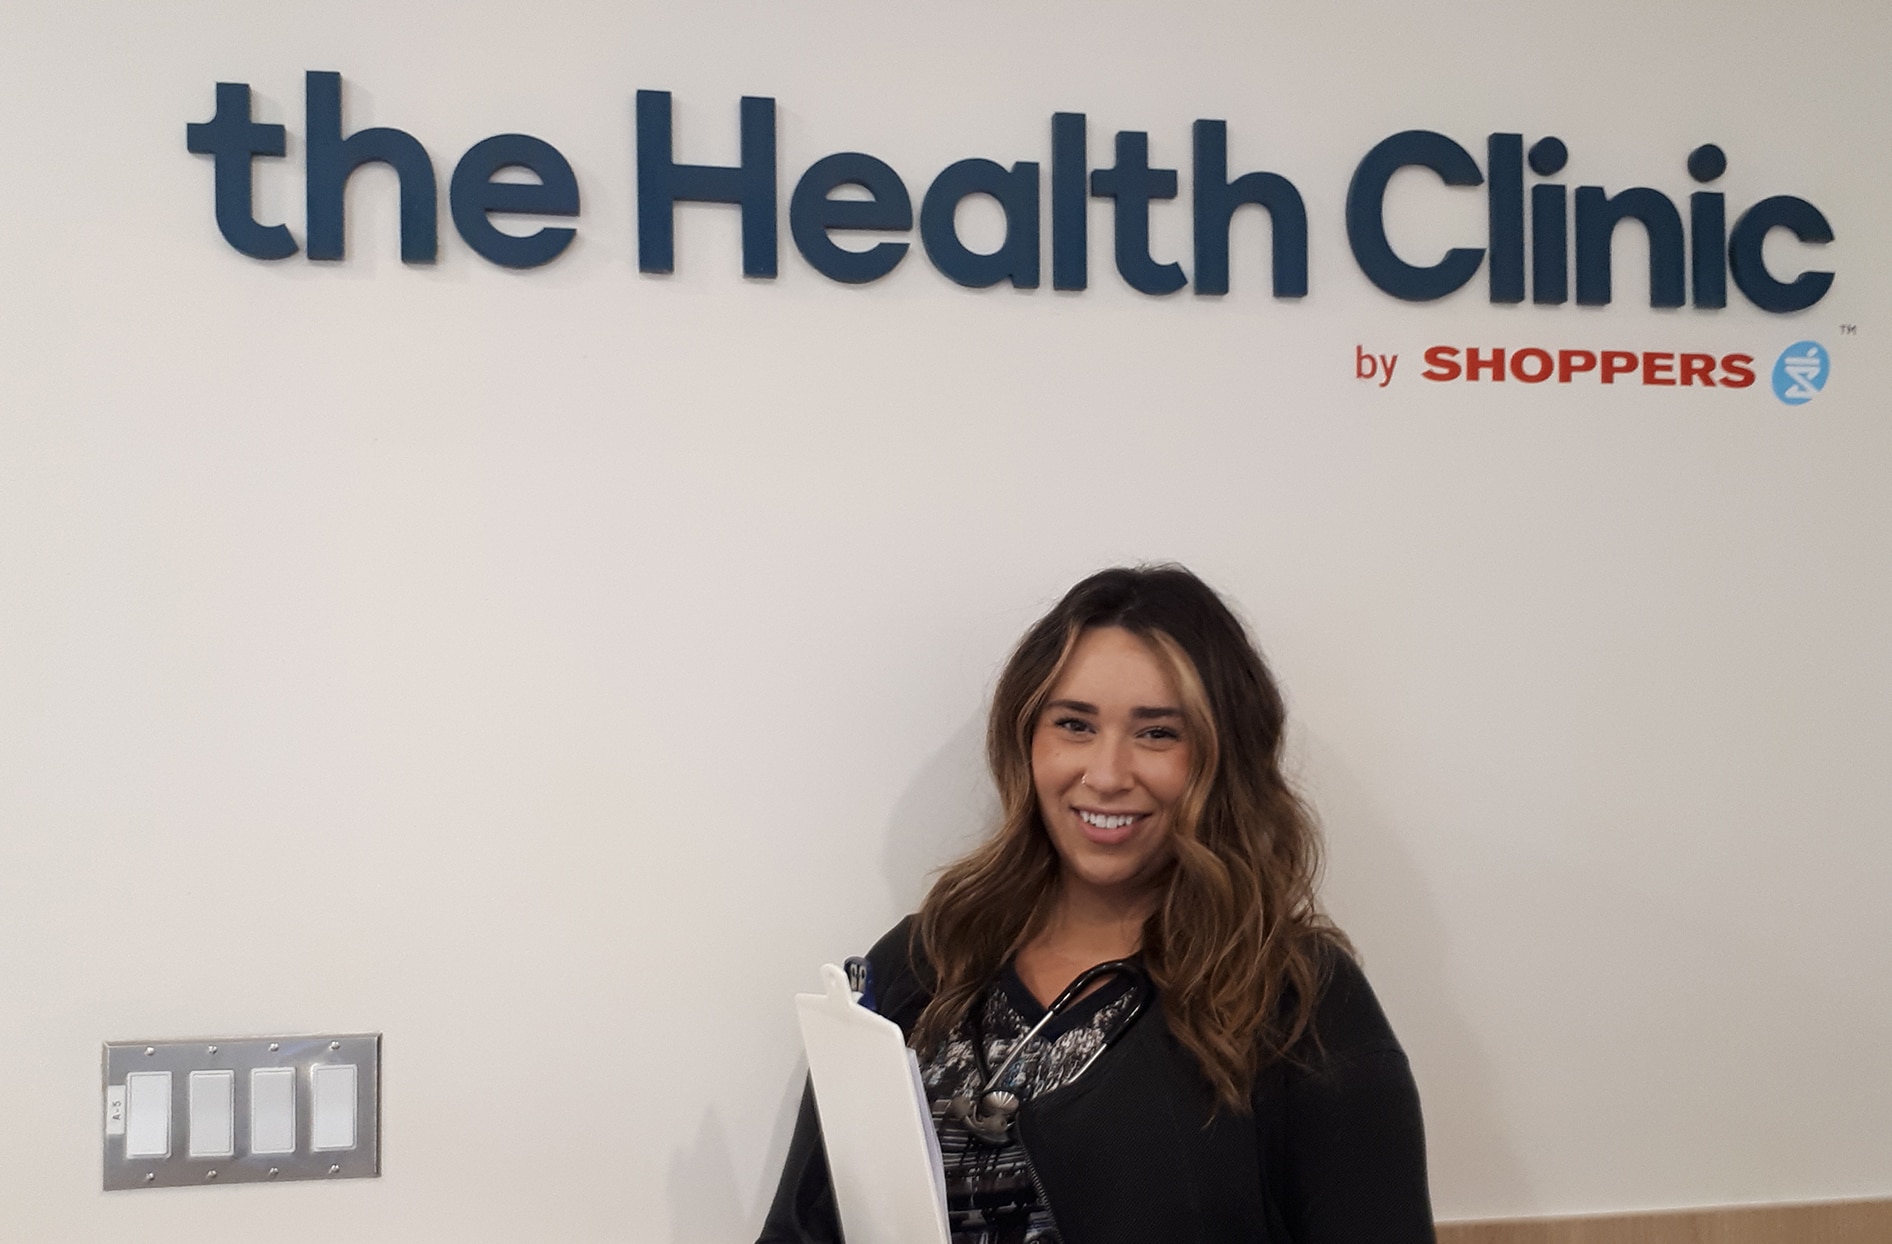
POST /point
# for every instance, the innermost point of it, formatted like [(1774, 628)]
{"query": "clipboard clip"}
[(860, 980)]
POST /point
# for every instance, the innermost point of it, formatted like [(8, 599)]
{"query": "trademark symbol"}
[(1849, 330)]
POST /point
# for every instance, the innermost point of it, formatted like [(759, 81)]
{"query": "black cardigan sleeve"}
[(1353, 1143), (803, 1211)]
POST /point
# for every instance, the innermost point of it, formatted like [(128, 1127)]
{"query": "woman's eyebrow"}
[(1139, 713)]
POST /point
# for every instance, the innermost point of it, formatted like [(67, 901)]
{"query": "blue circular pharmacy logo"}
[(1800, 372)]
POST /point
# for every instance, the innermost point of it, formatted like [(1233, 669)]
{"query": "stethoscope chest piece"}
[(990, 1117)]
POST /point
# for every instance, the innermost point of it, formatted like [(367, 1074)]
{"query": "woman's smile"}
[(1107, 827)]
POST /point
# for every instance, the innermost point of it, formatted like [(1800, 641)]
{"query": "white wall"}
[(551, 669)]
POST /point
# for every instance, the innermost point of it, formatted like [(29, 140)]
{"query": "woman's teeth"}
[(1102, 821)]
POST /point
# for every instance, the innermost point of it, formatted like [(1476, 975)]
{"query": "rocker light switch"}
[(148, 1114), (213, 1114), (273, 1110), (332, 1107)]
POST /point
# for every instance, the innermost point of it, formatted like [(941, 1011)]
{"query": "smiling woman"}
[(1133, 1019)]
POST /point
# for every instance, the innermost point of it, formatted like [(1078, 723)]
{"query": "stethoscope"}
[(990, 1117)]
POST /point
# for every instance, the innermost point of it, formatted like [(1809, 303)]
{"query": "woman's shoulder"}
[(896, 949), (902, 975), (1347, 1020)]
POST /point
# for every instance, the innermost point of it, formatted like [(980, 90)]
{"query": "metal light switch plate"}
[(225, 1110)]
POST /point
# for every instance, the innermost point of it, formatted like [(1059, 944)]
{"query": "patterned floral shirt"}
[(992, 1196)]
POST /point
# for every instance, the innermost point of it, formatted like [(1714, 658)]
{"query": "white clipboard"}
[(883, 1154)]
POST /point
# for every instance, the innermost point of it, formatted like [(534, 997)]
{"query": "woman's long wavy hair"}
[(1237, 943)]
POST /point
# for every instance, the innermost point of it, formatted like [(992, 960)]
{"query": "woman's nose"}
[(1108, 772)]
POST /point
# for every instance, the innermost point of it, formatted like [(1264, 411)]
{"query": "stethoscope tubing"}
[(990, 1118)]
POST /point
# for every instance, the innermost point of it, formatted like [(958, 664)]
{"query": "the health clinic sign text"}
[(1695, 252)]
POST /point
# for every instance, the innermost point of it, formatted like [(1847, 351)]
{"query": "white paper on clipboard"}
[(883, 1155)]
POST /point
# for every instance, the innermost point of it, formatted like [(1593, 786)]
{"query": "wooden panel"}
[(1835, 1222)]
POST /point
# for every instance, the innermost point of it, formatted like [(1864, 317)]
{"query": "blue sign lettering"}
[(1529, 236)]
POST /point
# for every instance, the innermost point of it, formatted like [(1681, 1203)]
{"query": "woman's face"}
[(1110, 759)]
